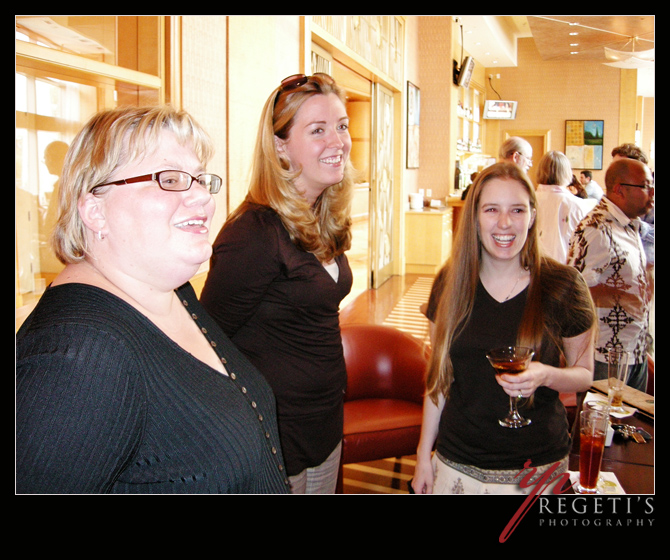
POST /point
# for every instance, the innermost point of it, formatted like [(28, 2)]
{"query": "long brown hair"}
[(323, 229), (461, 276)]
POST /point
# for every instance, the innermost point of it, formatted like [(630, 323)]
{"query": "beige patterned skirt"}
[(456, 478)]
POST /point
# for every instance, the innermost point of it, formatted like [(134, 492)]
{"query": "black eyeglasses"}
[(173, 181), (645, 187)]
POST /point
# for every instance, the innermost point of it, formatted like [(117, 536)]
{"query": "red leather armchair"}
[(383, 403)]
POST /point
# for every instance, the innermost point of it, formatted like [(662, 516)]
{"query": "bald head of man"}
[(630, 186)]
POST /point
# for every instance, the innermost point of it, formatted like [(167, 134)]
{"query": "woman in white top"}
[(558, 210)]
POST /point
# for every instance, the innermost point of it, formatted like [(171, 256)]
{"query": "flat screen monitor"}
[(465, 74), (500, 109)]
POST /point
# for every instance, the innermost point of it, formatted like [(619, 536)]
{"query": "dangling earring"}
[(100, 236)]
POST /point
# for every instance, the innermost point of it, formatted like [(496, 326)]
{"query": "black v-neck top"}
[(107, 403), (469, 432)]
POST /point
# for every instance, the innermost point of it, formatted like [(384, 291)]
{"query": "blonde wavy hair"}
[(550, 282), (107, 141), (323, 229)]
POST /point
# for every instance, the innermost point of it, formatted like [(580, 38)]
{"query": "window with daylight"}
[(68, 68)]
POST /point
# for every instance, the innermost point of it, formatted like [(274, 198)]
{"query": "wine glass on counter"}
[(617, 366), (511, 360)]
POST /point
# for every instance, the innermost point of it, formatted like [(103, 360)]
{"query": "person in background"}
[(124, 385), (517, 150), (630, 151), (558, 210), (473, 176), (576, 188), (497, 290), (593, 189), (279, 271), (647, 229), (607, 249), (54, 156)]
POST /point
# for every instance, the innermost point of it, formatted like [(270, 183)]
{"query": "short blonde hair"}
[(109, 140)]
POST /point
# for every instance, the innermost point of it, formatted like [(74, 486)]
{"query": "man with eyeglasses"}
[(607, 249), (517, 150), (647, 233)]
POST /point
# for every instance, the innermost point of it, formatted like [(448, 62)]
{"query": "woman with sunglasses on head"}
[(124, 384), (279, 272)]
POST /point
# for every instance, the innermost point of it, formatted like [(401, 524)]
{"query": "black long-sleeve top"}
[(280, 306)]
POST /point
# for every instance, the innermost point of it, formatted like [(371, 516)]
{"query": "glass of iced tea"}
[(592, 433), (511, 360), (617, 375)]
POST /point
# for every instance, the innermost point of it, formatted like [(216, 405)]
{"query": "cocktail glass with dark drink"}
[(511, 360)]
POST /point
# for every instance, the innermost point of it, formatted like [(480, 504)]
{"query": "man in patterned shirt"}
[(606, 248)]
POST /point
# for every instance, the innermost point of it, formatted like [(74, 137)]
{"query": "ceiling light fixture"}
[(619, 59), (630, 59)]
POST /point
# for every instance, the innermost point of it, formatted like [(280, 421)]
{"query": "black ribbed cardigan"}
[(106, 403)]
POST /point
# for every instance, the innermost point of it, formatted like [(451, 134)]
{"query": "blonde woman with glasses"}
[(124, 384), (279, 271)]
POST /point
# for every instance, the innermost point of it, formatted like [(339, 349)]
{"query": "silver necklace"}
[(513, 287)]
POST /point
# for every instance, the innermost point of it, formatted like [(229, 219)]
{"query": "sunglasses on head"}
[(297, 80), (293, 82)]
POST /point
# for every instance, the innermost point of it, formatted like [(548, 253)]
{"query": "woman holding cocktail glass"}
[(497, 290)]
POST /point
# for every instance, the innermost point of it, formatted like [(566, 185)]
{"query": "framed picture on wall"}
[(413, 117), (584, 143)]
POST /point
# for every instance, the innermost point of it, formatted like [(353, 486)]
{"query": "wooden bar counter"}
[(428, 235)]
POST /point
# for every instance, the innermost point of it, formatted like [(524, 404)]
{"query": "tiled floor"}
[(387, 476), (396, 302), (375, 306)]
